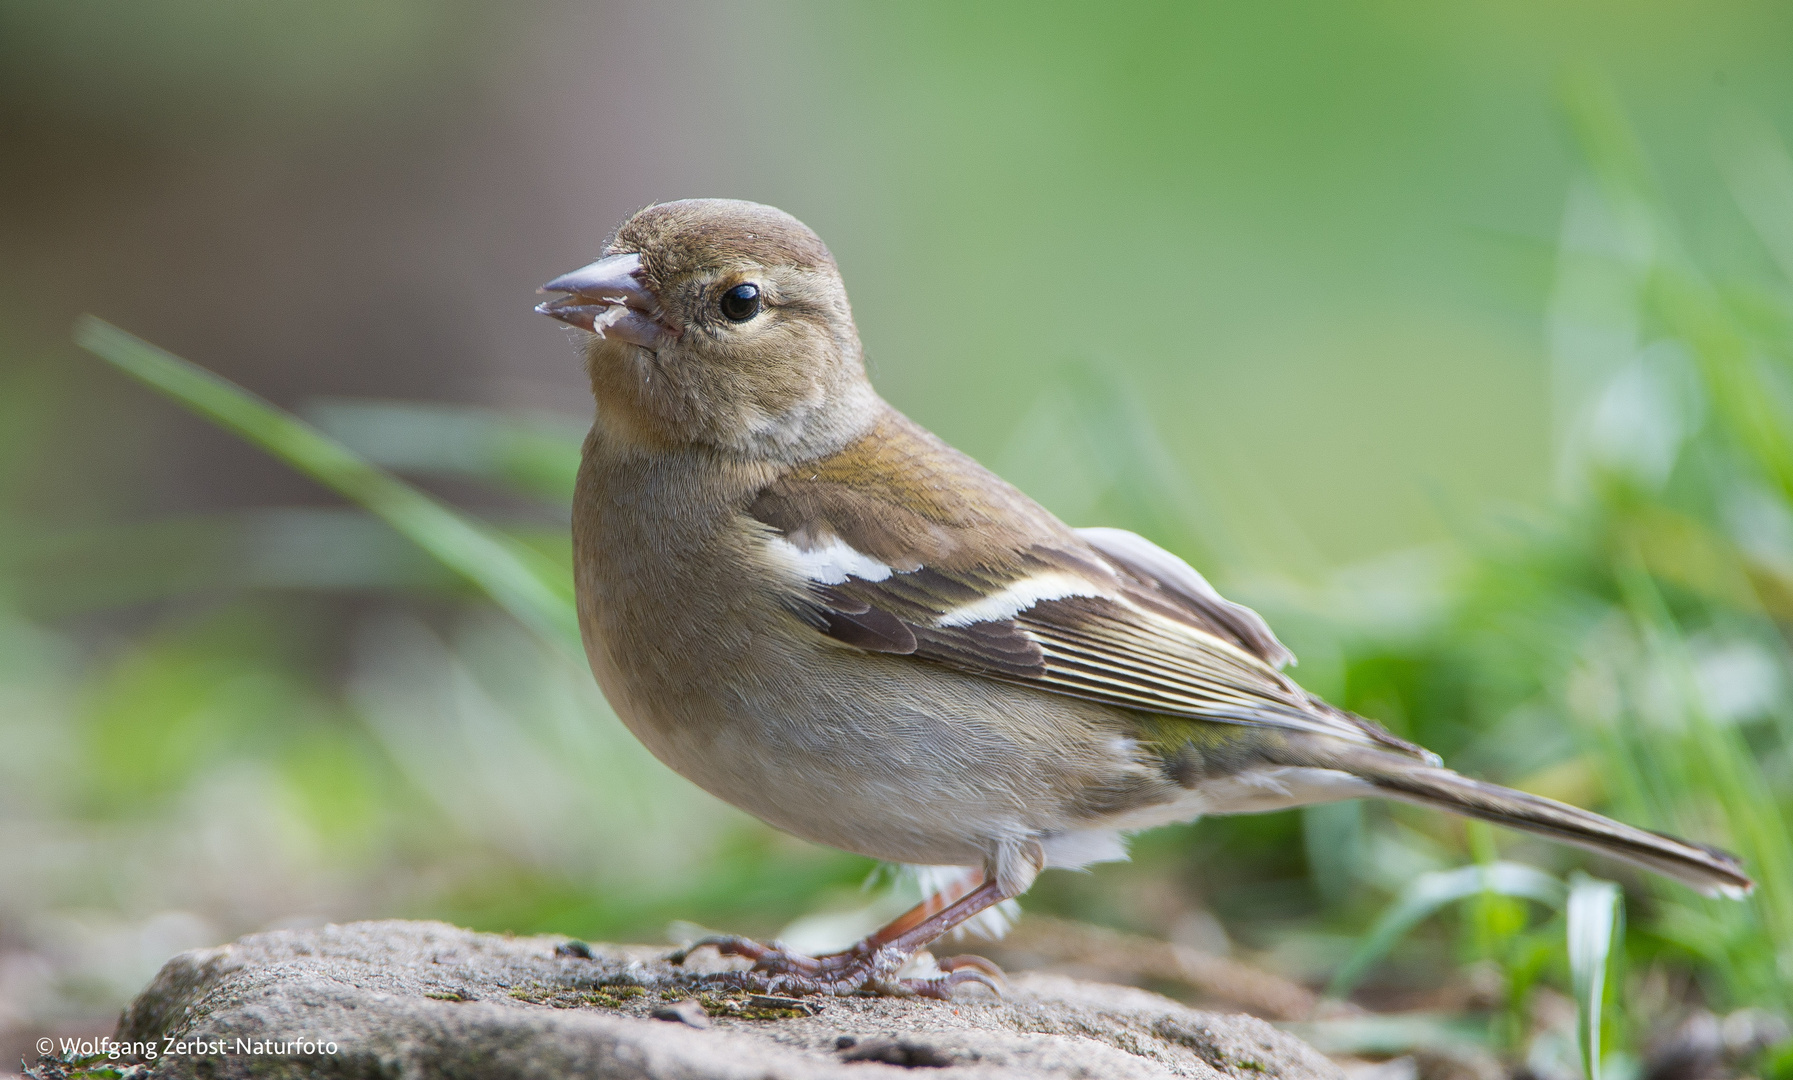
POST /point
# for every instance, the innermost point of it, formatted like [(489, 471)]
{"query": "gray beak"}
[(608, 299)]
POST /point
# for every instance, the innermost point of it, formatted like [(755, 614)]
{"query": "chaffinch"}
[(818, 611)]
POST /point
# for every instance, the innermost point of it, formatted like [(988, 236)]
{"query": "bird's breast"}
[(685, 606), (665, 594)]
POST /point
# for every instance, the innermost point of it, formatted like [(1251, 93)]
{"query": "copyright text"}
[(173, 1046)]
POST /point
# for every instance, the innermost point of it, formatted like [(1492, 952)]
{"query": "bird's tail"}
[(1709, 870)]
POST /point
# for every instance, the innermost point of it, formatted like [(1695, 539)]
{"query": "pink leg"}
[(871, 965)]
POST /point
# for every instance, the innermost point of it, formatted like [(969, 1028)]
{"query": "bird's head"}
[(712, 322)]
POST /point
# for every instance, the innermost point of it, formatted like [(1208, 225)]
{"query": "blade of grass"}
[(1427, 894), (520, 580), (537, 455), (1595, 911), (1390, 1035)]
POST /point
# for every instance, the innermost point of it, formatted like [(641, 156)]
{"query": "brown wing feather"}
[(1131, 626), (1158, 580)]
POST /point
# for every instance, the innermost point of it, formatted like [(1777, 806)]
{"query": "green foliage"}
[(517, 578), (1430, 893), (178, 705), (1777, 1062)]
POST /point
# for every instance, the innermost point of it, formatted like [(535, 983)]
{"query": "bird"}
[(817, 610)]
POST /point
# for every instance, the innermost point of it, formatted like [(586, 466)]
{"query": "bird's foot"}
[(864, 969)]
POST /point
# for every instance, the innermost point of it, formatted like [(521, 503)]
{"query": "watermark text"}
[(175, 1046)]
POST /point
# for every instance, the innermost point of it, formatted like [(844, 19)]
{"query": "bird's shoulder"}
[(903, 496)]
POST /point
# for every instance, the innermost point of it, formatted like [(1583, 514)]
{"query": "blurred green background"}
[(1457, 339)]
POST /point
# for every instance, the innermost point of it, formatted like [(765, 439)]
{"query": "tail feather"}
[(1709, 870)]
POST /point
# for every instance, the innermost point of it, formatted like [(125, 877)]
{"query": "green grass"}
[(518, 579)]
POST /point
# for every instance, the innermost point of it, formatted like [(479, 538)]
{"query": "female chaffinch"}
[(818, 611)]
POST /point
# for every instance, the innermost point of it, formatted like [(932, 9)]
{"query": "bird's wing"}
[(899, 544)]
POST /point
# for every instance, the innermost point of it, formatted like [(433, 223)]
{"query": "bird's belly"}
[(889, 757)]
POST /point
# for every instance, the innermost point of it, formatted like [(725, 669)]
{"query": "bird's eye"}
[(741, 302)]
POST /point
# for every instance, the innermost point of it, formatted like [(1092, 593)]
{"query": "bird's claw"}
[(777, 970), (940, 987), (730, 945), (960, 963)]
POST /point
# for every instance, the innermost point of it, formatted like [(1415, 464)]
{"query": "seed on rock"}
[(689, 1012)]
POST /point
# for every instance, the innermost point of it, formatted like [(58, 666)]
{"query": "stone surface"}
[(409, 999)]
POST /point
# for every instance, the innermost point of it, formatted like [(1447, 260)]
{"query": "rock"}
[(416, 999)]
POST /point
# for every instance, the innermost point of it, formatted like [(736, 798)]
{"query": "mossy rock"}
[(415, 999)]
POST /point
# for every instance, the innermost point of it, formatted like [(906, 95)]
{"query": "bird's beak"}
[(609, 299)]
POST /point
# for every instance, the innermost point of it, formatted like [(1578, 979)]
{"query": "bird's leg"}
[(870, 966)]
